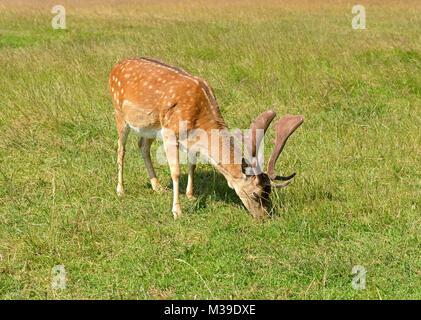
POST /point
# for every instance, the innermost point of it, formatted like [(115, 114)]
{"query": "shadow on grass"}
[(207, 184), (211, 185)]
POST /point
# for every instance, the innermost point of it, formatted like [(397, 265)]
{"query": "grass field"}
[(356, 199)]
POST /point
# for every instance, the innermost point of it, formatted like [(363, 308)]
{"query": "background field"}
[(355, 200)]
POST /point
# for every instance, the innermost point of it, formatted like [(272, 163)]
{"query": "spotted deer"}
[(152, 98)]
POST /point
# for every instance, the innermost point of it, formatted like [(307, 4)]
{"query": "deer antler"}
[(252, 140), (284, 128)]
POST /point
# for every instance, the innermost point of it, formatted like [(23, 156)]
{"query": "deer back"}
[(150, 95)]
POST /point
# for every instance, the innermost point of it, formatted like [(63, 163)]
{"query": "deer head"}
[(255, 187)]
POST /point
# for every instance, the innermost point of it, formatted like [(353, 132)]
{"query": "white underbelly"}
[(146, 133)]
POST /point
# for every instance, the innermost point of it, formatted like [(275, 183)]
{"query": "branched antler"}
[(253, 139), (284, 128)]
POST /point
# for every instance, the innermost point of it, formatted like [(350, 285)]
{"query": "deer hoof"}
[(191, 196), (176, 212), (176, 215), (157, 187), (120, 190)]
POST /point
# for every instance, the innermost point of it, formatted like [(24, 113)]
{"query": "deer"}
[(152, 98)]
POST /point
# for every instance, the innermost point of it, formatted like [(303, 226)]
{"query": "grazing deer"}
[(152, 98)]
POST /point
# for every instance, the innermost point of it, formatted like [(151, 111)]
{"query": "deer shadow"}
[(207, 183), (210, 183)]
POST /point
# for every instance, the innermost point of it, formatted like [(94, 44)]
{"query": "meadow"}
[(356, 199)]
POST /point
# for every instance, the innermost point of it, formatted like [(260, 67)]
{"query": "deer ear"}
[(245, 166)]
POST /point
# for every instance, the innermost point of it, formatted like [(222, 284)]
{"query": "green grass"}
[(355, 201)]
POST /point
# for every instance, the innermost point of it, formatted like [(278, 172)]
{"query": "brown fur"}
[(151, 97)]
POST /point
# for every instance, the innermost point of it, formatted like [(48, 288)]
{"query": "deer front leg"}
[(190, 181), (171, 150)]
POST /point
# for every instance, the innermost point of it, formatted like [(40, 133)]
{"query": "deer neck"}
[(225, 155)]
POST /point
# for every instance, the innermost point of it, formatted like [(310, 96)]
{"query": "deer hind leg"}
[(171, 149), (145, 148), (123, 132), (190, 180)]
